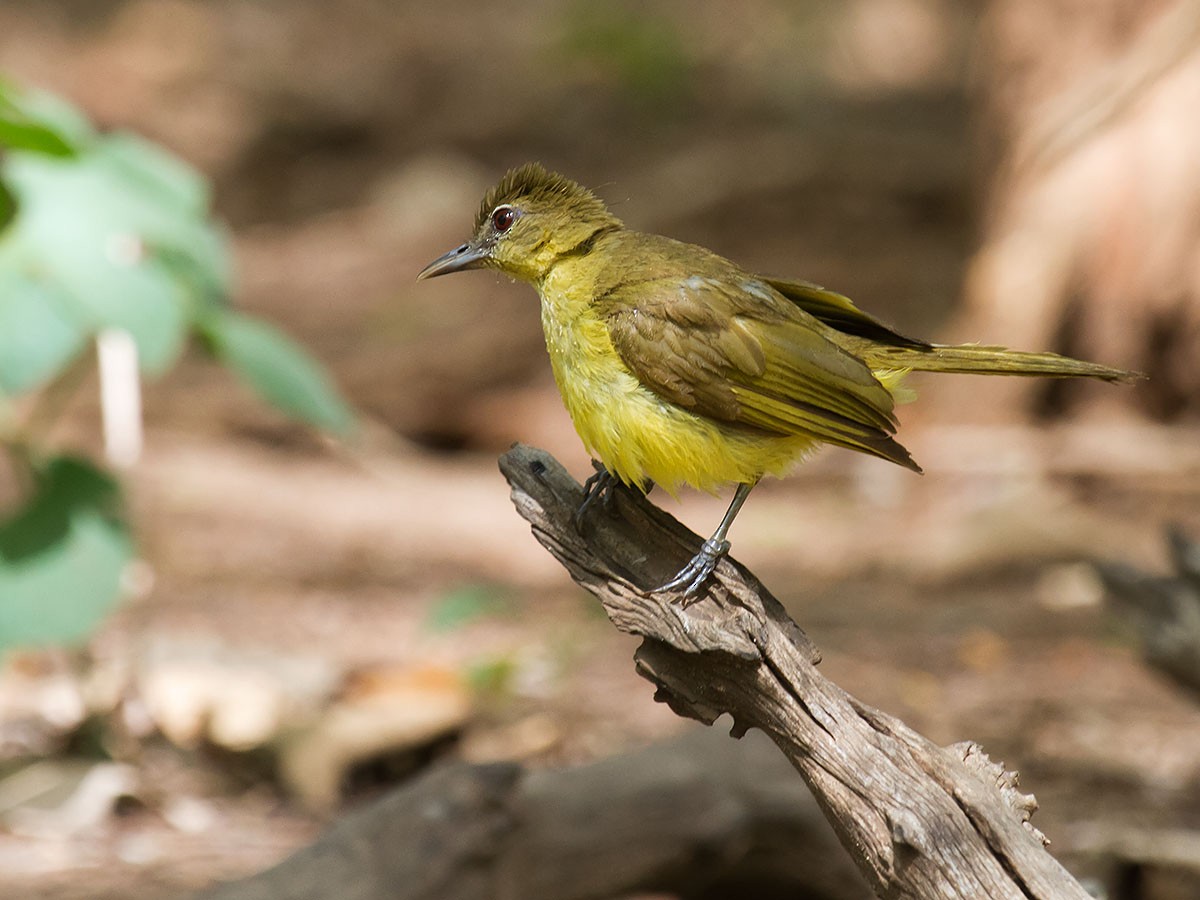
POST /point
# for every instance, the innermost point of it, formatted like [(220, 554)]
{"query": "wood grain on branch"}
[(920, 820)]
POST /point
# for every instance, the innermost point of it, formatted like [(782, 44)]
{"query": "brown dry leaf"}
[(60, 798), (523, 739), (41, 703), (378, 712), (197, 691)]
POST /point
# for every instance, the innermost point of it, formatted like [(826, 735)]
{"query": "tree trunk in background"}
[(1090, 239)]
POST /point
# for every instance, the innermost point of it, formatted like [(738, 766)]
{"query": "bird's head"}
[(527, 222)]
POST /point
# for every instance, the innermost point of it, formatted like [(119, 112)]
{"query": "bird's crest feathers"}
[(533, 182)]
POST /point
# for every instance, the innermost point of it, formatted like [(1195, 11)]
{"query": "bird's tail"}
[(979, 360)]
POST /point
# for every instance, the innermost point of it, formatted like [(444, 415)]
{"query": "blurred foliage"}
[(491, 680), (62, 556), (644, 54), (468, 603), (99, 232), (279, 370), (37, 122)]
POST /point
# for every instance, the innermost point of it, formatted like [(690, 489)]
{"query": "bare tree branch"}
[(920, 821)]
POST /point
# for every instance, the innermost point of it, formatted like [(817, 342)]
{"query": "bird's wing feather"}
[(839, 312), (734, 350)]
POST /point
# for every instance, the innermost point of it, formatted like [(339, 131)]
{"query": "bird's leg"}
[(696, 572)]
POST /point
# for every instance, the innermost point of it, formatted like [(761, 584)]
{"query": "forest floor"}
[(970, 613)]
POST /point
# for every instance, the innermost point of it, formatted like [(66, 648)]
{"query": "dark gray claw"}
[(692, 576), (599, 487)]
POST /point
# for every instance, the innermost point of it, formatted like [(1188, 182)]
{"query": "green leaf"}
[(38, 338), (278, 369), (62, 557), (203, 269), (146, 166), (39, 122), (18, 135), (8, 205), (86, 228), (64, 484), (119, 232)]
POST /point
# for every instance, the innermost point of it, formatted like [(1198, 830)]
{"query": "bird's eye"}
[(503, 218)]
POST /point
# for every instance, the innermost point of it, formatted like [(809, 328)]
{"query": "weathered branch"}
[(921, 821)]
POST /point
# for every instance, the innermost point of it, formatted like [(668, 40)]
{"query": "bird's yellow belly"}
[(639, 435)]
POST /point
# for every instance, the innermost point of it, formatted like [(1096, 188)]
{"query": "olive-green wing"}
[(735, 351), (839, 312), (885, 348)]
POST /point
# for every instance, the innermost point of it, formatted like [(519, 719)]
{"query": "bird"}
[(679, 367)]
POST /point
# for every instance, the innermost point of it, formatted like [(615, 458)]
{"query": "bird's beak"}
[(468, 256)]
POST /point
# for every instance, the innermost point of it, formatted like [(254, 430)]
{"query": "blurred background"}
[(309, 618)]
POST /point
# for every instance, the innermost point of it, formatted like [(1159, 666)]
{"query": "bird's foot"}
[(692, 576), (598, 488)]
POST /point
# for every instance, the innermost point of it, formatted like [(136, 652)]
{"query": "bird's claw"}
[(692, 576), (599, 487)]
